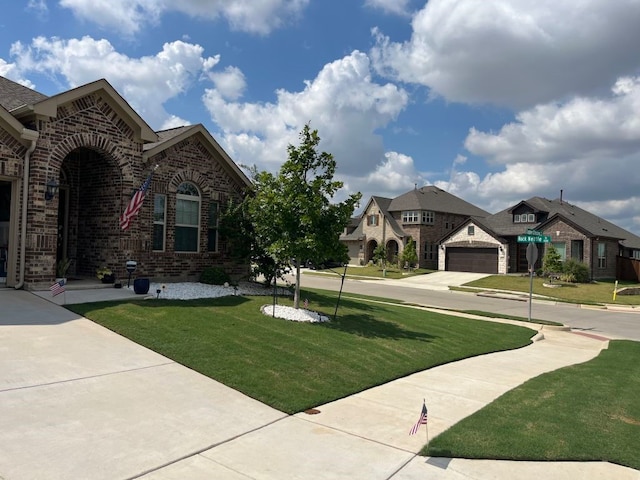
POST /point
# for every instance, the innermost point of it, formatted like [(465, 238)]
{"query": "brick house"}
[(423, 214), (97, 150), (490, 244)]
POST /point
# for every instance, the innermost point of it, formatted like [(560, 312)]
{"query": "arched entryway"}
[(371, 246), (89, 204), (392, 251)]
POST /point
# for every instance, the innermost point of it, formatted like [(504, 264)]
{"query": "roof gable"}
[(169, 138), (48, 107)]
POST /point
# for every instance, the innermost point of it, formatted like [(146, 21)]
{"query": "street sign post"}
[(532, 258)]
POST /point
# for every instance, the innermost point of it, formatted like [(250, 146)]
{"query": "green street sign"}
[(531, 231), (534, 238)]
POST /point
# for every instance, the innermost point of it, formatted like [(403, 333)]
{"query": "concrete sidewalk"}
[(79, 401)]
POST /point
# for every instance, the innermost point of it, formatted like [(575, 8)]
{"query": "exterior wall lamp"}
[(52, 188)]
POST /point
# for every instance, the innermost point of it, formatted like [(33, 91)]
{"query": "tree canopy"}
[(292, 213)]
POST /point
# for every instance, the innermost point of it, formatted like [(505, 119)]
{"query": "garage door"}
[(479, 260)]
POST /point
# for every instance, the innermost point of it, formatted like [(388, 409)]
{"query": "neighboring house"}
[(490, 245), (97, 150), (424, 214)]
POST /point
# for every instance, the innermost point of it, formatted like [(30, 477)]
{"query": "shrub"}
[(577, 269), (568, 278), (214, 276)]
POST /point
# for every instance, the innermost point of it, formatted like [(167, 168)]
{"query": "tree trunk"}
[(296, 291)]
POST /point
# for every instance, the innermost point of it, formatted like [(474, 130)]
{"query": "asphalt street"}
[(608, 322)]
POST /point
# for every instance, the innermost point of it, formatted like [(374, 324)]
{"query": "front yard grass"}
[(583, 412), (295, 366), (599, 292)]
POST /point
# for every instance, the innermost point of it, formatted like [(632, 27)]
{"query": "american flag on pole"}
[(57, 288), (421, 421), (135, 204)]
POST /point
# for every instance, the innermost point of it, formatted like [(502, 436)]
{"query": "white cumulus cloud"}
[(515, 53), (146, 82), (343, 103), (130, 16)]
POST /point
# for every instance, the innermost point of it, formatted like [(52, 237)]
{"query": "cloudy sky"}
[(494, 101)]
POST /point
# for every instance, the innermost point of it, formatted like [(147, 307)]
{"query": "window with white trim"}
[(411, 216), (159, 221), (187, 218), (471, 230)]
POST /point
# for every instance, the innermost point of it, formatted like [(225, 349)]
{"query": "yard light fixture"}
[(52, 188)]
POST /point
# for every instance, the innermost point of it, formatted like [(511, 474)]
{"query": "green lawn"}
[(600, 292), (582, 412), (228, 339)]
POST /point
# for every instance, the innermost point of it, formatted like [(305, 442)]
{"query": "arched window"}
[(187, 218)]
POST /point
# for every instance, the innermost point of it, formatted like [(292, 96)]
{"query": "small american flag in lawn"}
[(421, 421), (135, 204), (57, 288)]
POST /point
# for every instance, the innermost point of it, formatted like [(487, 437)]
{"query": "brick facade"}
[(94, 152)]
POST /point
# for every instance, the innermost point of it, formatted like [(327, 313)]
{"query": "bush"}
[(214, 276), (568, 278), (578, 270)]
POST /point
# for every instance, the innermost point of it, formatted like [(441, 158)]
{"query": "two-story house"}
[(423, 214), (491, 244)]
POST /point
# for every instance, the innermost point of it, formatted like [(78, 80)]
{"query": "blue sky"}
[(494, 101)]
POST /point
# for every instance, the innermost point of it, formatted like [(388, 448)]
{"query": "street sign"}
[(534, 238), (531, 231)]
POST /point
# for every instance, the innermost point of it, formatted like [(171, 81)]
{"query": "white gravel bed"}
[(194, 290)]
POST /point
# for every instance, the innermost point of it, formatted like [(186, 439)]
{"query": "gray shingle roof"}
[(591, 225), (435, 199), (14, 95), (166, 135)]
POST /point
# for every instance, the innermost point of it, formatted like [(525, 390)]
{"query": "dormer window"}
[(524, 218)]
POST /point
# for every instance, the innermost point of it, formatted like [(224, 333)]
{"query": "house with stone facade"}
[(69, 164), (423, 214), (490, 244)]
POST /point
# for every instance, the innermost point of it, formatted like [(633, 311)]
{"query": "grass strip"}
[(294, 366), (582, 412), (600, 292)]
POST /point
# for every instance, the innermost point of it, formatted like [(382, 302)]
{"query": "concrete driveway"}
[(80, 402), (440, 280)]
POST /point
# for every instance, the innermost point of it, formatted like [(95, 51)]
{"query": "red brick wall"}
[(102, 163)]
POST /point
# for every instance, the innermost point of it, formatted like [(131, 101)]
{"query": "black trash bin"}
[(141, 285)]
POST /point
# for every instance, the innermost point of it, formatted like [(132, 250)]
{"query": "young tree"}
[(551, 262), (380, 255), (236, 228), (291, 212), (409, 255)]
